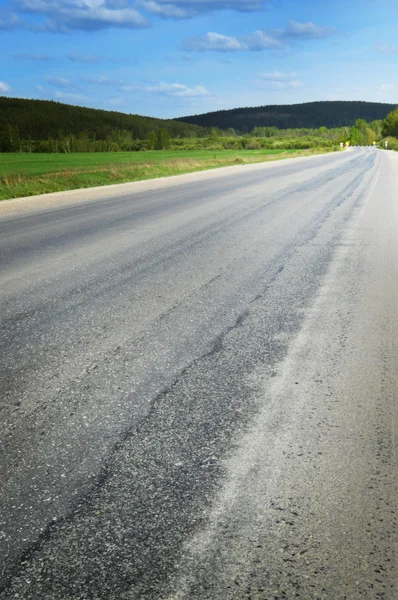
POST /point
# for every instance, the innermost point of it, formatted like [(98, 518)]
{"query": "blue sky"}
[(171, 58)]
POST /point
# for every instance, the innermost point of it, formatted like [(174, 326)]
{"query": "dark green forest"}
[(46, 120), (295, 116)]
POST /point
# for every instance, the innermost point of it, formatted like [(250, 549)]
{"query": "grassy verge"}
[(31, 174)]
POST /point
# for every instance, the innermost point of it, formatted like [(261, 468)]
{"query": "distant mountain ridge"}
[(43, 119), (293, 116)]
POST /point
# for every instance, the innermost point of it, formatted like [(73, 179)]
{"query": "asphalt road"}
[(199, 387)]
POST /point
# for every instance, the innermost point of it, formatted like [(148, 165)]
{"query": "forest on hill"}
[(41, 126), (22, 119), (310, 115)]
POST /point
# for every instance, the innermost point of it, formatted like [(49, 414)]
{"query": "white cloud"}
[(4, 87), (100, 80), (60, 82), (177, 90), (278, 76), (180, 9), (213, 41), (279, 81), (67, 15), (163, 10), (70, 97), (387, 92), (116, 102), (261, 40), (386, 48), (216, 42), (258, 40), (86, 15), (306, 31)]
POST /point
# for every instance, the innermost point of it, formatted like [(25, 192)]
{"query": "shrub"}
[(252, 145)]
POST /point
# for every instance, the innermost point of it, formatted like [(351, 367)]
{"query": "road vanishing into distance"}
[(199, 386)]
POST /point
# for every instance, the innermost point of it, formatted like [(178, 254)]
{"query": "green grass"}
[(31, 174), (40, 164)]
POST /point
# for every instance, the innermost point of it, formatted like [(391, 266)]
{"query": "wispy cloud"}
[(213, 41), (257, 40), (99, 80), (306, 31), (4, 88), (278, 80), (262, 40), (90, 15), (386, 48), (9, 20), (88, 58), (94, 58), (31, 56), (217, 42), (388, 91), (183, 9), (116, 102), (70, 15), (59, 82), (177, 90), (164, 10), (70, 97)]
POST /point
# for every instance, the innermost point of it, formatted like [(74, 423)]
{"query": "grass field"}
[(31, 174)]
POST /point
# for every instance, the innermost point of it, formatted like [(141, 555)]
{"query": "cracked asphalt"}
[(199, 386)]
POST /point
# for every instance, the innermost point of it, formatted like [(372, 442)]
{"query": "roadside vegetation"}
[(390, 130), (30, 174)]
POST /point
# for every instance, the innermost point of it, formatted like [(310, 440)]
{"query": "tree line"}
[(47, 126), (103, 131), (312, 115)]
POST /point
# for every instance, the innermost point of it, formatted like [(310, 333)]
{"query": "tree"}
[(162, 139), (370, 137), (377, 127), (152, 140), (266, 132), (361, 134), (213, 134), (362, 127), (390, 125), (9, 139), (354, 136)]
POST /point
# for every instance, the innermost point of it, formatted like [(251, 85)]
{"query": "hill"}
[(293, 116), (43, 119)]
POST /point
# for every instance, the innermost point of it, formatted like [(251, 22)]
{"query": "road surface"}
[(199, 387)]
